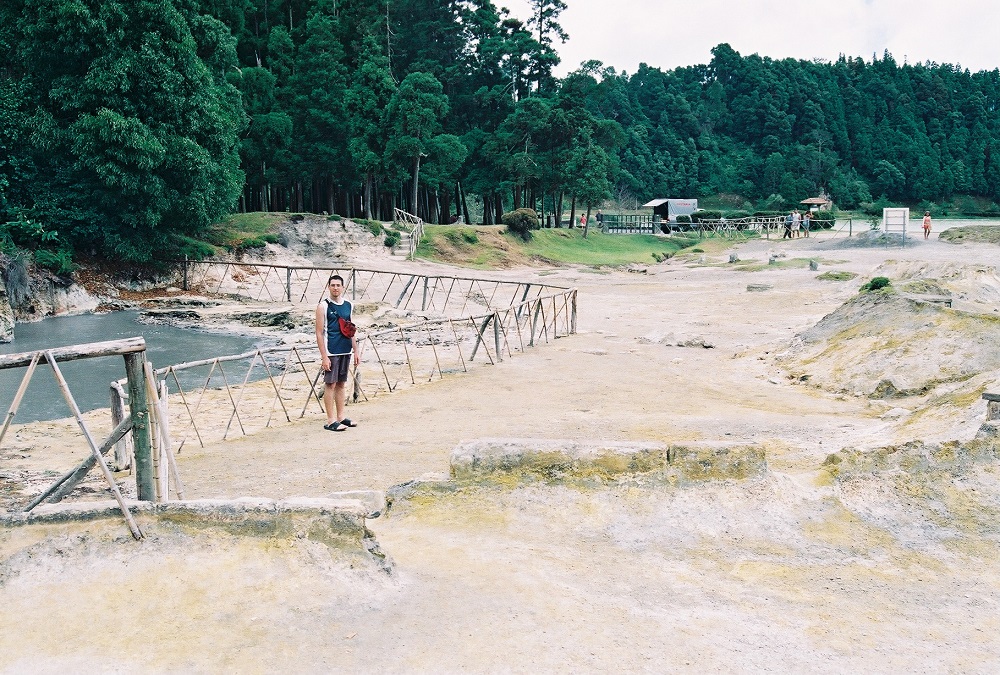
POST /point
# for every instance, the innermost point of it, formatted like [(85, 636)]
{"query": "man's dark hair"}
[(335, 276)]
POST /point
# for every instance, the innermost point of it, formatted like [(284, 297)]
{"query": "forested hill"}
[(124, 122)]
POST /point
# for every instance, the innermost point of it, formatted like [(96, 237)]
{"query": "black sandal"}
[(347, 422), (334, 426)]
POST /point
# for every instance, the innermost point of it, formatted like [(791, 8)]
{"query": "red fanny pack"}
[(347, 328)]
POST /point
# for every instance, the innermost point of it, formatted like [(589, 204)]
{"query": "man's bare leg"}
[(328, 403), (340, 394)]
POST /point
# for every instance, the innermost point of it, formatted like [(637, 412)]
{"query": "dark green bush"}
[(254, 242), (470, 236), (335, 216), (60, 262), (876, 283), (703, 214), (391, 239), (521, 222), (374, 226), (684, 219)]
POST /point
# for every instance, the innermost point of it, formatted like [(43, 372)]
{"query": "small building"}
[(669, 209), (818, 203)]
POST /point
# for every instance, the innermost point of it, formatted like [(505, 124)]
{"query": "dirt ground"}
[(876, 571)]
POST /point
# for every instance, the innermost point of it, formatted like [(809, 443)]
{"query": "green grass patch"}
[(491, 247), (989, 234), (244, 230), (836, 276), (569, 246)]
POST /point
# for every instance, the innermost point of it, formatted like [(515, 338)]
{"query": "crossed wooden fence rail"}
[(444, 295)]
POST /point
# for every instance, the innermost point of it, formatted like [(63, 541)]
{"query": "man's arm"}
[(321, 337)]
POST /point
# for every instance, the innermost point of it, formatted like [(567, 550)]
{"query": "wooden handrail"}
[(75, 352)]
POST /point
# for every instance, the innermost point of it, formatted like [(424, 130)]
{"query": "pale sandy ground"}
[(790, 573)]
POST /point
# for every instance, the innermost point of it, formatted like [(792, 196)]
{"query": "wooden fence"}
[(139, 423), (464, 323), (444, 295)]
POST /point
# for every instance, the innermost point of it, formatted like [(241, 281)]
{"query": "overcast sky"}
[(625, 33)]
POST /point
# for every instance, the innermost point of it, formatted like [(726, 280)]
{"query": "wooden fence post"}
[(185, 284), (288, 283), (139, 408), (496, 336), (573, 326), (122, 459)]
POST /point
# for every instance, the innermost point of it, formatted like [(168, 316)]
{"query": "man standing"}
[(336, 350)]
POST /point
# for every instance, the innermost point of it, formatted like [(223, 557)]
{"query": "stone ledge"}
[(563, 459), (337, 522)]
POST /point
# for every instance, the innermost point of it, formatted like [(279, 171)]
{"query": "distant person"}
[(789, 219), (335, 350), (927, 224), (599, 218), (806, 222), (796, 223), (583, 220)]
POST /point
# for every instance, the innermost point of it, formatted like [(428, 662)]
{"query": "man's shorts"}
[(339, 367)]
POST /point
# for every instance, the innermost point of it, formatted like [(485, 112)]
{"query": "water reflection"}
[(88, 379)]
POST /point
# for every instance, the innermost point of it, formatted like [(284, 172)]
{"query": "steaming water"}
[(89, 379)]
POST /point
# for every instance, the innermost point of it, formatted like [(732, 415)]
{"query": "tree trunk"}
[(465, 204), (487, 209), (559, 210), (499, 206), (368, 195), (517, 196), (572, 213), (445, 198), (416, 177), (586, 227)]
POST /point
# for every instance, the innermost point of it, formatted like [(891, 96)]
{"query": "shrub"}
[(253, 242), (665, 228), (876, 284), (521, 222), (60, 262), (195, 249), (392, 239), (374, 226), (836, 276), (334, 217), (470, 236), (704, 214), (684, 219)]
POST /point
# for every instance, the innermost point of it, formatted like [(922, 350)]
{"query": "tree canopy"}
[(122, 122)]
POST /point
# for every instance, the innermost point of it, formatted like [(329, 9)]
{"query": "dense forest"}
[(124, 123)]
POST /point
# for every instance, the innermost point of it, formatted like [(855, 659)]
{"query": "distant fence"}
[(736, 228), (630, 224), (445, 295), (401, 216)]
